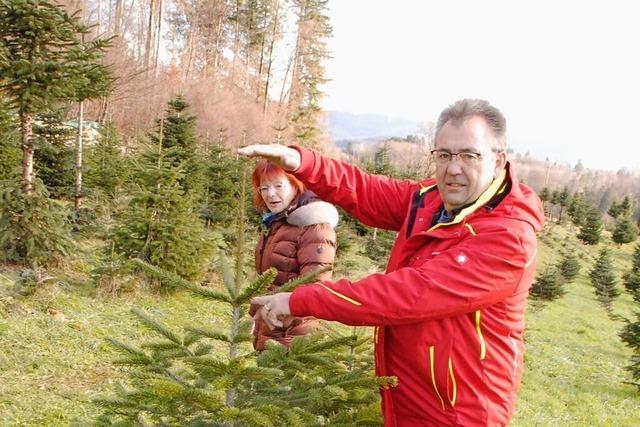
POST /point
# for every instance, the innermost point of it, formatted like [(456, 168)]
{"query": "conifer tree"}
[(577, 210), (176, 132), (107, 168), (604, 280), (569, 266), (631, 279), (590, 231), (178, 380), (9, 142), (54, 156), (222, 185), (631, 337), (549, 285), (44, 62), (161, 225), (308, 71), (625, 230), (564, 198), (34, 229)]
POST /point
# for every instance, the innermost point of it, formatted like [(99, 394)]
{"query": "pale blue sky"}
[(565, 73)]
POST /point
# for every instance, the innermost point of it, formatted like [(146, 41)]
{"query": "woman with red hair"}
[(298, 237)]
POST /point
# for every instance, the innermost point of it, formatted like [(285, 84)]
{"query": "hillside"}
[(53, 357)]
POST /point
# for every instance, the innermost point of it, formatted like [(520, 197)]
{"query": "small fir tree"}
[(9, 143), (107, 168), (563, 200), (604, 280), (569, 266), (631, 279), (548, 286), (34, 229), (578, 210), (54, 156), (590, 232), (161, 225), (176, 132), (222, 185), (631, 337), (625, 231), (178, 380)]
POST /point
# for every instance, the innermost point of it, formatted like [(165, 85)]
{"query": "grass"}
[(54, 359)]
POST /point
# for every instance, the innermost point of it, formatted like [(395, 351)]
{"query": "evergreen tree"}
[(631, 279), (54, 156), (222, 185), (625, 231), (548, 286), (631, 336), (160, 224), (308, 71), (107, 168), (590, 231), (545, 194), (44, 62), (578, 210), (603, 279), (34, 230), (564, 198), (381, 162), (178, 380), (176, 131), (9, 143), (614, 210), (569, 266)]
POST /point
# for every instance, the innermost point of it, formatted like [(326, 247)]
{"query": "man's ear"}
[(501, 162)]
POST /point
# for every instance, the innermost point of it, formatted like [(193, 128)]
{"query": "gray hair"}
[(465, 108)]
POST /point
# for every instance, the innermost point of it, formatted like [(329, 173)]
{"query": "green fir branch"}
[(301, 280), (156, 326), (173, 280), (207, 333), (257, 287)]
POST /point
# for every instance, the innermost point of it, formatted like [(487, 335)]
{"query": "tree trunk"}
[(270, 60), (26, 129), (157, 37), (78, 198), (117, 26), (149, 41)]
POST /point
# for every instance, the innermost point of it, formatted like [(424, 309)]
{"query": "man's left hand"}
[(275, 309)]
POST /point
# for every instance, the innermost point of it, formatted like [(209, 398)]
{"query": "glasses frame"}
[(468, 162)]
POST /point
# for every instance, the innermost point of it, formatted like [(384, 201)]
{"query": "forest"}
[(127, 229)]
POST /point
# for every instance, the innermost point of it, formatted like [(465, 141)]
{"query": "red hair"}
[(266, 170)]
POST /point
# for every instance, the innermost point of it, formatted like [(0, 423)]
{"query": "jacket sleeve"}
[(317, 249), (374, 200), (479, 272)]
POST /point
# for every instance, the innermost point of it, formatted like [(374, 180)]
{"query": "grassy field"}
[(53, 357)]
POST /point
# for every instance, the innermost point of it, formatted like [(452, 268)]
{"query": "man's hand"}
[(285, 157), (275, 309)]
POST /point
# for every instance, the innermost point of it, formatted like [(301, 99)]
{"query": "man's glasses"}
[(468, 158)]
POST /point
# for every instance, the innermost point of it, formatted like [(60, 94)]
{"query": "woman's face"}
[(277, 193)]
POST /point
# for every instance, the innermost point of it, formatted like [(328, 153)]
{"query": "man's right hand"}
[(283, 156)]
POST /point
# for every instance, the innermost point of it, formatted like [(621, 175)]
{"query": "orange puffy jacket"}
[(298, 241)]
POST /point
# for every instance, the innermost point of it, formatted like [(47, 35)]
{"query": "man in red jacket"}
[(449, 310)]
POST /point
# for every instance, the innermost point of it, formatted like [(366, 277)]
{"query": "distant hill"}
[(350, 126)]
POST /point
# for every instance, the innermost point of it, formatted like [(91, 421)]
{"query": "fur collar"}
[(315, 212)]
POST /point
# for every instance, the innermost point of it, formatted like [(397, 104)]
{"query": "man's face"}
[(461, 182)]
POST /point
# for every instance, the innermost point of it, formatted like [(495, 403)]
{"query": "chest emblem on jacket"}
[(461, 259)]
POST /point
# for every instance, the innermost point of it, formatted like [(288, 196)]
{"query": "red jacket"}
[(449, 311)]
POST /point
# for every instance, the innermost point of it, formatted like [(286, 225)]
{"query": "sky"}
[(566, 74)]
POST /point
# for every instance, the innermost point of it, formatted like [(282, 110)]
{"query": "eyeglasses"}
[(468, 158), (277, 187)]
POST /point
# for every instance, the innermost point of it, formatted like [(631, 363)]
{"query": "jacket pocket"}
[(442, 374)]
